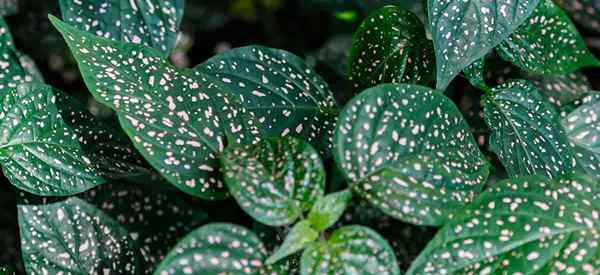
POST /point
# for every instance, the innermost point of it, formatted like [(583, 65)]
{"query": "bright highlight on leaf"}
[(408, 151)]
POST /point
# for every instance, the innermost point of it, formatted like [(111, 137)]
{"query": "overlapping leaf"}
[(465, 30), (408, 150), (582, 126), (179, 121), (275, 180), (218, 248), (562, 90), (284, 94), (585, 12), (152, 23), (118, 228), (350, 250), (529, 225), (390, 46), (475, 73), (526, 132), (548, 43)]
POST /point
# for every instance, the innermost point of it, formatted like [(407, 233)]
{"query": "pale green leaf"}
[(327, 210), (301, 235)]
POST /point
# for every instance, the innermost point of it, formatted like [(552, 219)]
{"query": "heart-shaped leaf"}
[(350, 250), (465, 30), (390, 46), (275, 180), (120, 228), (153, 23), (526, 131), (218, 248), (562, 90), (179, 121), (408, 150), (584, 12), (284, 94), (583, 129), (529, 225), (548, 43)]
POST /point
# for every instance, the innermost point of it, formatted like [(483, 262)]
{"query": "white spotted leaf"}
[(475, 73), (530, 225), (275, 180), (350, 250), (585, 13), (562, 90), (40, 153), (547, 43), (526, 132), (287, 97), (12, 71), (218, 248), (408, 150), (178, 120), (153, 23), (582, 126), (390, 46), (465, 30)]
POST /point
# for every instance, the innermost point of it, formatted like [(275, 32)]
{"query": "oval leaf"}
[(548, 43), (178, 121), (465, 30), (390, 46), (408, 150), (275, 180), (529, 225), (526, 131), (153, 23), (350, 250), (583, 129), (284, 94)]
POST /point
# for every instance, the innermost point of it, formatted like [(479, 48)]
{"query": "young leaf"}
[(583, 129), (39, 151), (585, 13), (465, 30), (526, 131), (390, 46), (218, 248), (117, 228), (528, 225), (548, 43), (301, 235), (178, 121), (284, 94), (350, 250), (275, 180), (327, 210), (408, 150), (562, 90), (153, 23), (12, 72)]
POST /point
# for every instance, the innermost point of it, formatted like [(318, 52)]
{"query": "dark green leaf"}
[(583, 129), (529, 225), (179, 121), (562, 90), (275, 180), (408, 150), (153, 23), (6, 270), (475, 73), (548, 43), (286, 96), (585, 12), (526, 131), (465, 30), (390, 46), (217, 248), (301, 235), (12, 72), (327, 210), (350, 250)]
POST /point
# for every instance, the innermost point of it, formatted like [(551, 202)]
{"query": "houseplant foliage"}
[(468, 129)]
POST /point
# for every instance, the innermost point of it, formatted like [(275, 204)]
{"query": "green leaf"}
[(350, 250), (178, 120), (218, 248), (327, 210), (7, 270), (526, 131), (465, 30), (548, 43), (582, 126), (120, 229), (153, 23), (390, 46), (475, 73), (585, 13), (275, 180), (562, 90), (529, 225), (39, 152), (284, 94), (408, 150), (12, 72), (301, 235)]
